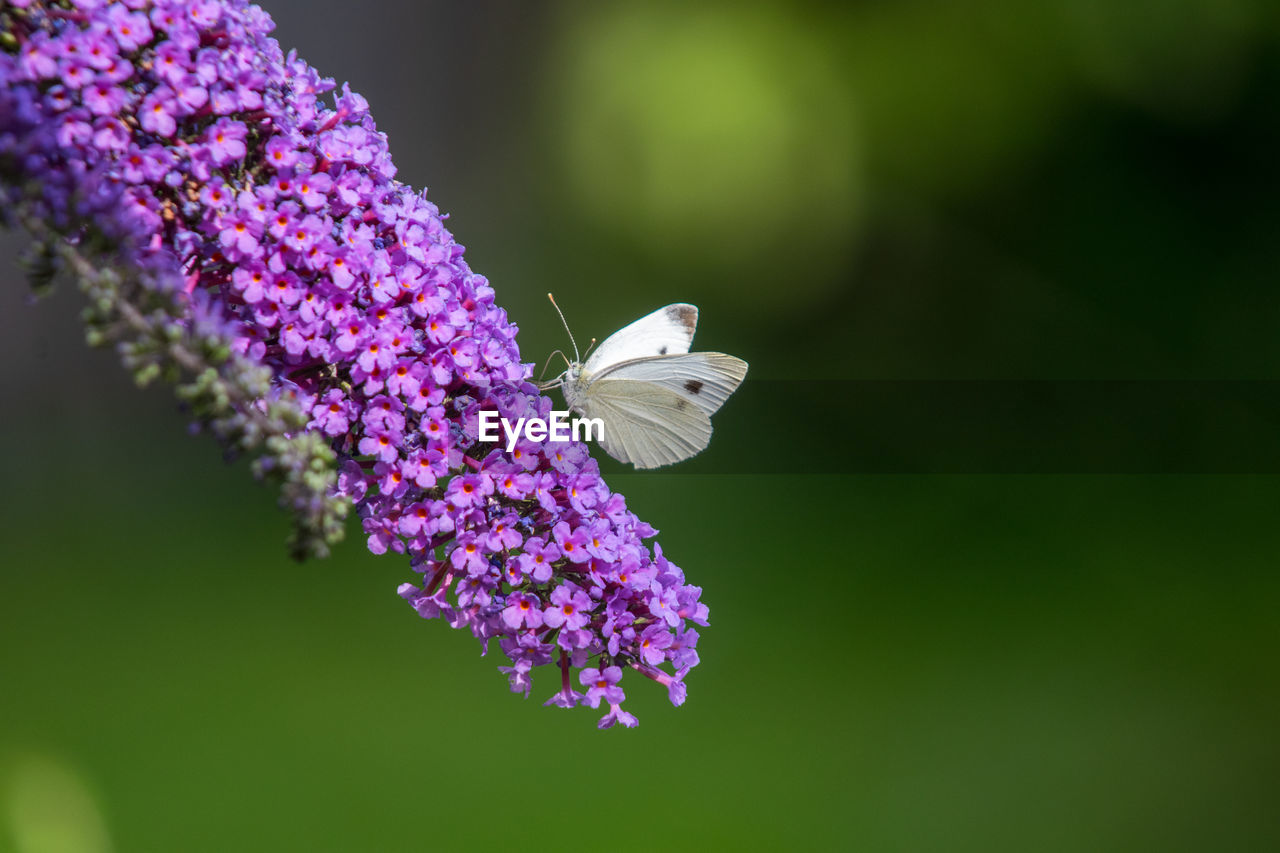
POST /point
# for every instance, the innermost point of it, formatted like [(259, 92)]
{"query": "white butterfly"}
[(654, 397)]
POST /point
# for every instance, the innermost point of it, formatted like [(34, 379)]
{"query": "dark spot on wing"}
[(663, 351), (693, 386), (685, 315), (682, 404)]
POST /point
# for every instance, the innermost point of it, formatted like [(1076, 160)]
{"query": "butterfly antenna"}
[(547, 364), (589, 348), (576, 357)]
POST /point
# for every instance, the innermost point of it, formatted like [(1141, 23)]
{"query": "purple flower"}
[(225, 139), (468, 491), (502, 535), (602, 684), (522, 610), (538, 559), (521, 682), (239, 236), (312, 189), (39, 57), (156, 113), (683, 651), (333, 413), (131, 30), (617, 715), (381, 443), (566, 696), (654, 642), (281, 154), (103, 98), (342, 328), (570, 608), (467, 555), (572, 542)]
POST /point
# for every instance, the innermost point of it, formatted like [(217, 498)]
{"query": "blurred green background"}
[(967, 190)]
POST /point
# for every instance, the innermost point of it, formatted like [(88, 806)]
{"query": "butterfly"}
[(654, 397)]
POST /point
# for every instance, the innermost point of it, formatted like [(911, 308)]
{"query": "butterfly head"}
[(573, 369)]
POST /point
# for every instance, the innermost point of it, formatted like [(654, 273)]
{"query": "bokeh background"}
[(980, 190)]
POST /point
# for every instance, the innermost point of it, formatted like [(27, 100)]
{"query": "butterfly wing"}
[(667, 331), (704, 378), (645, 424)]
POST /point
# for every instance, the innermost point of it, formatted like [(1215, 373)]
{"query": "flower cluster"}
[(180, 129)]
